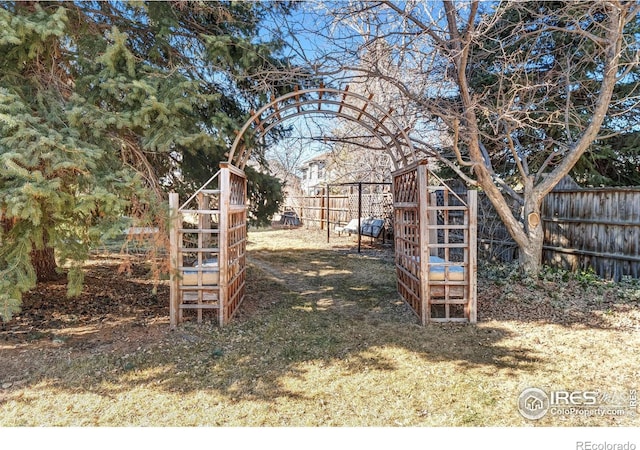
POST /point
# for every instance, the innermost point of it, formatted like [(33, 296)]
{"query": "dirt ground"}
[(116, 310)]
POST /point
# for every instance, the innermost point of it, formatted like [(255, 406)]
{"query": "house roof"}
[(323, 157)]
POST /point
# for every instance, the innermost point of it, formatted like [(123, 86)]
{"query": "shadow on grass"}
[(305, 311)]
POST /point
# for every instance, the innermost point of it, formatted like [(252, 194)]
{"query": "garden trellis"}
[(208, 245), (434, 228)]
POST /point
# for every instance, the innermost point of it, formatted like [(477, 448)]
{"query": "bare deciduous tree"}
[(521, 88)]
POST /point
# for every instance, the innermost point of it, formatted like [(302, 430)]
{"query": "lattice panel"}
[(378, 205), (448, 295), (405, 187), (435, 247), (236, 248), (208, 244), (407, 238), (238, 189), (195, 251), (407, 248)]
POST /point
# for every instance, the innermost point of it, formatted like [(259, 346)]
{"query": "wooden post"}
[(201, 215), (223, 240), (328, 214), (472, 202), (204, 202), (359, 215), (174, 230), (424, 249), (433, 221), (322, 209)]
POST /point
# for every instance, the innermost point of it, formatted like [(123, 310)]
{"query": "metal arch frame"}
[(239, 155)]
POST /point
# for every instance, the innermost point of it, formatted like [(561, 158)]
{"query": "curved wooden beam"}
[(391, 135)]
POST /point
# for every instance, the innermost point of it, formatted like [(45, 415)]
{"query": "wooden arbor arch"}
[(434, 227), (337, 102)]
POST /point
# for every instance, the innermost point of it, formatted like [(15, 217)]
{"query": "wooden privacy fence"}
[(584, 228), (598, 228), (312, 209), (338, 210), (208, 244)]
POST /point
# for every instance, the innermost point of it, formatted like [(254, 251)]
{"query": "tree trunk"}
[(44, 262), (530, 255), (42, 259), (528, 233), (530, 252)]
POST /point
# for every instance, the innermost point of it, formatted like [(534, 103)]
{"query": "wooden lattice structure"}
[(434, 228), (435, 247), (208, 245), (376, 120)]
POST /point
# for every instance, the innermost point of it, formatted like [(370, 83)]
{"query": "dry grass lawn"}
[(323, 340)]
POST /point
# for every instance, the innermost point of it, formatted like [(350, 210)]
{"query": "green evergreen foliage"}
[(58, 190), (611, 162), (104, 106), (265, 195)]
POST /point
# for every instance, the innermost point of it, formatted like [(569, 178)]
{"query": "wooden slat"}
[(447, 208), (447, 227), (206, 287), (581, 252), (200, 250), (448, 283), (602, 221), (199, 306), (364, 108), (196, 230), (174, 204), (423, 220), (401, 205), (296, 89), (381, 121), (199, 269), (344, 96), (407, 273), (448, 245), (223, 237), (472, 268), (237, 227), (200, 211), (454, 301)]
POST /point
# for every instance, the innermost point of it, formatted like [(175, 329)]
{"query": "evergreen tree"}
[(59, 191), (106, 105), (611, 162)]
